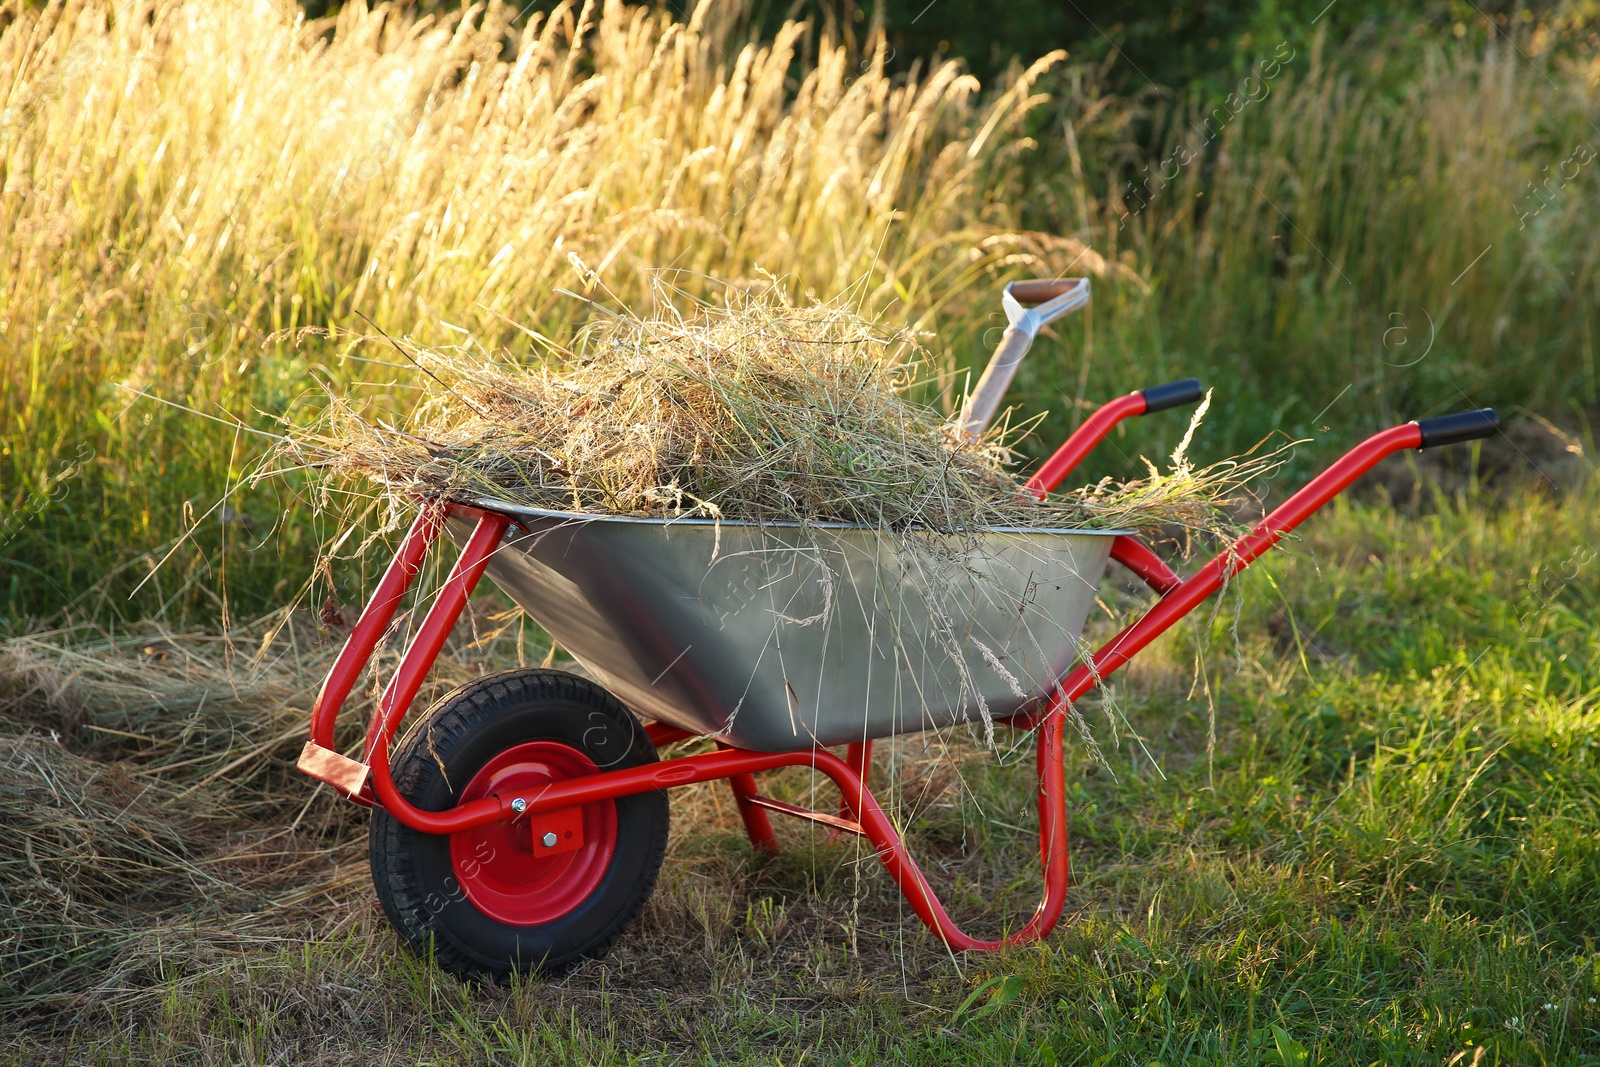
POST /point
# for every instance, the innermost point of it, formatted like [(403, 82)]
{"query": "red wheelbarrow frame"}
[(370, 782)]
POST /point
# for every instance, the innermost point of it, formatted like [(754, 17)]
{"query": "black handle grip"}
[(1453, 429), (1171, 395)]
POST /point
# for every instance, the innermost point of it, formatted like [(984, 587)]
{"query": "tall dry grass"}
[(185, 182)]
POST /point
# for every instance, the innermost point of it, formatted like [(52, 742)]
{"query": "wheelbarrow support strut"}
[(369, 781)]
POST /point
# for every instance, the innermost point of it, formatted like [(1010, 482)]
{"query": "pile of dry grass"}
[(754, 411), (150, 809), (131, 761)]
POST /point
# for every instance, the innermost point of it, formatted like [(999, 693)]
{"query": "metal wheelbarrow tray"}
[(772, 638), (524, 818)]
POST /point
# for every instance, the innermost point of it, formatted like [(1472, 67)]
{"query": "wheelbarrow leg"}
[(756, 823), (859, 758), (892, 852)]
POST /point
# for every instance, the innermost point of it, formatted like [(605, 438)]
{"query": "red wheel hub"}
[(496, 865)]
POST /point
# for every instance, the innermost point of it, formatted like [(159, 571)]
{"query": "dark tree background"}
[(1178, 43)]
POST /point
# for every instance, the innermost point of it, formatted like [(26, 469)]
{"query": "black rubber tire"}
[(449, 744)]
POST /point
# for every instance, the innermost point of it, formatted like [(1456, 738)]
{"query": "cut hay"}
[(757, 411), (154, 824)]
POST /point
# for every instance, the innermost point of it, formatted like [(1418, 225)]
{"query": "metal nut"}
[(549, 840), (519, 805)]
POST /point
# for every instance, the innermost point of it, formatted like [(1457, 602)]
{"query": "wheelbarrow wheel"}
[(544, 892)]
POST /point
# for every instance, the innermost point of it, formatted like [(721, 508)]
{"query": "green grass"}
[(1357, 246), (1391, 857)]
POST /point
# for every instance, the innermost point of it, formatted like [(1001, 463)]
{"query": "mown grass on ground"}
[(1367, 229), (1390, 856)]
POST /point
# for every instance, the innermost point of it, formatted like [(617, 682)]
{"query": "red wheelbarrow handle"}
[(355, 778), (1182, 598), (1103, 421)]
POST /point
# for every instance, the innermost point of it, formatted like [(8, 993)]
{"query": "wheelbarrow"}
[(521, 823)]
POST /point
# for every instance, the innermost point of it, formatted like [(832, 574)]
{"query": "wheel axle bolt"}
[(549, 840), (519, 805)]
